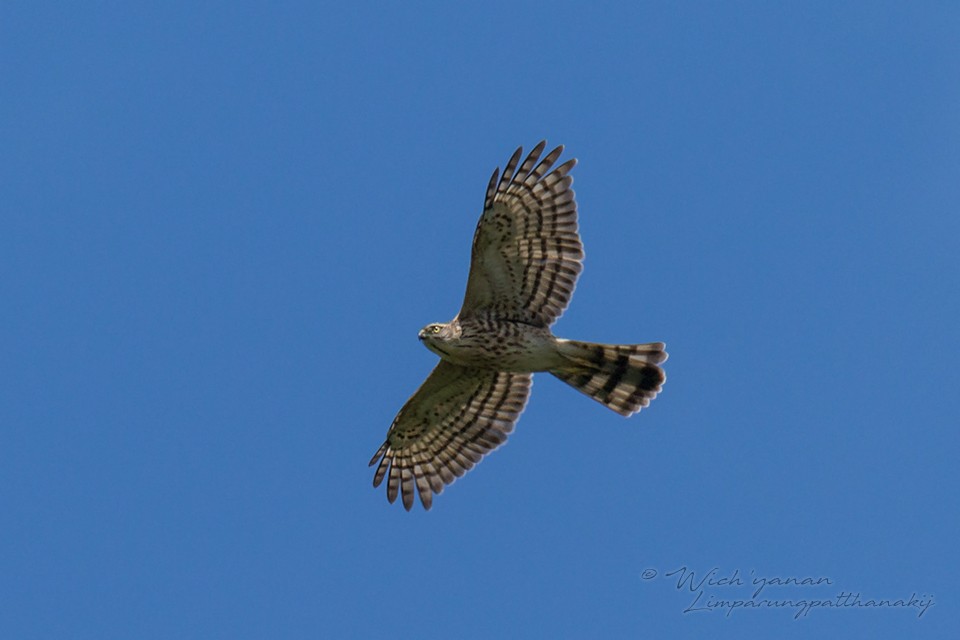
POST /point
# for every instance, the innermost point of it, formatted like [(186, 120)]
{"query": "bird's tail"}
[(623, 377)]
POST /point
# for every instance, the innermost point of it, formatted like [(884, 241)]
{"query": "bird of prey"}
[(524, 264)]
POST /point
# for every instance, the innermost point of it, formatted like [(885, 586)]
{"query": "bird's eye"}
[(435, 328)]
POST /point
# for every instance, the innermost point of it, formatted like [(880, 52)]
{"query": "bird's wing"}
[(526, 250), (456, 416)]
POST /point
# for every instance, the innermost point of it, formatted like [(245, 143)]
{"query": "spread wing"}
[(526, 250), (456, 416)]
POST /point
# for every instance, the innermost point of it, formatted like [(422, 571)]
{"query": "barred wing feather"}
[(456, 416), (527, 252)]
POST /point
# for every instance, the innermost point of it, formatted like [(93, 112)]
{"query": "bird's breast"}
[(503, 346)]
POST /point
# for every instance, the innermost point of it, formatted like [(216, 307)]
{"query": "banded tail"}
[(623, 377)]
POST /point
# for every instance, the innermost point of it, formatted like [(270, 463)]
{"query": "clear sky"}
[(224, 223)]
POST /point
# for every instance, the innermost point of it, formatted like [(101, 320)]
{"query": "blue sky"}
[(223, 225)]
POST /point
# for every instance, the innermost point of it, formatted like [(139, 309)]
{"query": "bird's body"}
[(501, 345), (524, 265)]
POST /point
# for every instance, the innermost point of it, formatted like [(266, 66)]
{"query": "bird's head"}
[(437, 337)]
